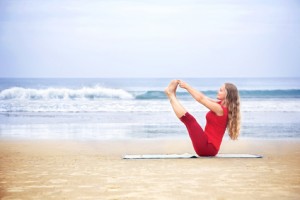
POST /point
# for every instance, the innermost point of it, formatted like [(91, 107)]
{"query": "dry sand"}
[(94, 170)]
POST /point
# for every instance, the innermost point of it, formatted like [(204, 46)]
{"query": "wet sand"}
[(31, 169)]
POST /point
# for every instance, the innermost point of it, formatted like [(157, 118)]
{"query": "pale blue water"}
[(97, 109)]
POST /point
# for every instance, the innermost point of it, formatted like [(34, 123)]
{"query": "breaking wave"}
[(64, 93)]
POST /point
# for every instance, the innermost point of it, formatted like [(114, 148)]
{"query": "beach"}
[(65, 138), (74, 169)]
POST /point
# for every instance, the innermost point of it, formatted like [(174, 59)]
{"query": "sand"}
[(32, 169)]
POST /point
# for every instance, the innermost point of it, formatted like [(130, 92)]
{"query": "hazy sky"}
[(154, 38)]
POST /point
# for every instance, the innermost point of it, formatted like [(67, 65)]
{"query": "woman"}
[(224, 113)]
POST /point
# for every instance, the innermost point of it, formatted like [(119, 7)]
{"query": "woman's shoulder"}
[(224, 107)]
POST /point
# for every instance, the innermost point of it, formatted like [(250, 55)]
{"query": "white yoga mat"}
[(187, 155)]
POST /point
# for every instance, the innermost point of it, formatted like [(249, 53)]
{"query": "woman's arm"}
[(213, 100), (201, 98)]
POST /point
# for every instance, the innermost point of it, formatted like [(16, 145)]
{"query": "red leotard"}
[(206, 143)]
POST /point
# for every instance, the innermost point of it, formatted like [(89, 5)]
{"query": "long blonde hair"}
[(232, 101)]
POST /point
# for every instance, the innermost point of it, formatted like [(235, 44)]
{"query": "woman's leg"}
[(171, 93), (199, 138), (197, 135)]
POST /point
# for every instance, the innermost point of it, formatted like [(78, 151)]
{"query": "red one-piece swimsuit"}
[(207, 142)]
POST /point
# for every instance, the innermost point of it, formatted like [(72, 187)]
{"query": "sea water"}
[(137, 108)]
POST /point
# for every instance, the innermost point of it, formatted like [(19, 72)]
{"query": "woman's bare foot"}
[(171, 89)]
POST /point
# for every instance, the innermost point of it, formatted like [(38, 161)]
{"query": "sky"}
[(157, 38)]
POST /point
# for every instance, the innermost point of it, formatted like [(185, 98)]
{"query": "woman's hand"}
[(182, 84)]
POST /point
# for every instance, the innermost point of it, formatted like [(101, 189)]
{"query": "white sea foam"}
[(133, 105), (63, 93)]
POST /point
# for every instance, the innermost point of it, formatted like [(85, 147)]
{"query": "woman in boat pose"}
[(223, 113)]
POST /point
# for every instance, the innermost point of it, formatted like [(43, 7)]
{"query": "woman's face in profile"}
[(221, 93)]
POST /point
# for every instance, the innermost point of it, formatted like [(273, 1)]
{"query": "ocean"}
[(137, 108)]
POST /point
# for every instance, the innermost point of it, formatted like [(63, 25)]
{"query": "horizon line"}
[(135, 77)]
